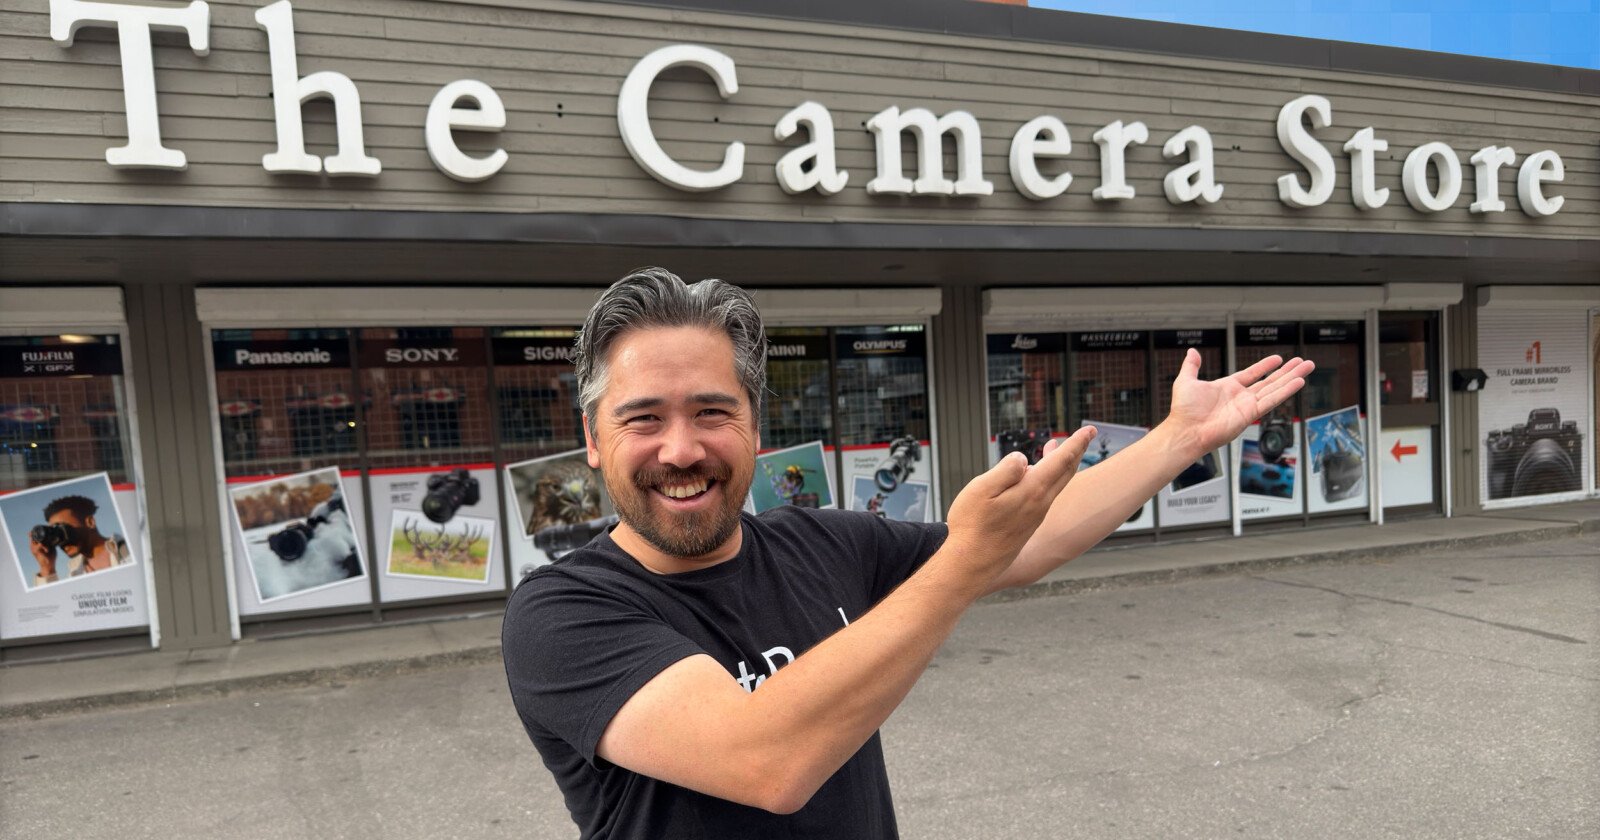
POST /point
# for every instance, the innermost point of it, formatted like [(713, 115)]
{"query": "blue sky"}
[(1565, 32)]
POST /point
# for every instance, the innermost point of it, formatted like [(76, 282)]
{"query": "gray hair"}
[(655, 297)]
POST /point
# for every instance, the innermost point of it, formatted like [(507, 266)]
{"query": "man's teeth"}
[(684, 491)]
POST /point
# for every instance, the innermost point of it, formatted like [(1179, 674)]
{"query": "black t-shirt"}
[(583, 634)]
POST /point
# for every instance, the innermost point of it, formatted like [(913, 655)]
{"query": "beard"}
[(682, 534)]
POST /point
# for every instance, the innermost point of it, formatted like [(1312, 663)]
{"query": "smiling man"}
[(702, 673)]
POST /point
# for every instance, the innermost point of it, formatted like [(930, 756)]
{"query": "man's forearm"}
[(1099, 500)]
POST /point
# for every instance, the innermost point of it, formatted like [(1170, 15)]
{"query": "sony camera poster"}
[(439, 528), (894, 481), (1111, 438), (798, 475), (1267, 460), (1336, 453), (560, 504), (73, 548), (298, 536), (1534, 410)]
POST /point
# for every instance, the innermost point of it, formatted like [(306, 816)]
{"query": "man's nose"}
[(681, 446)]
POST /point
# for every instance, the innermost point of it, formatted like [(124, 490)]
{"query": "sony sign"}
[(1431, 179)]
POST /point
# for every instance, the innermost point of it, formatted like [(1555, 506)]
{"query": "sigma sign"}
[(813, 165)]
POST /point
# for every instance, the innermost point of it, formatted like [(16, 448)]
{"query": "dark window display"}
[(1111, 377), (537, 391), (1027, 391), (883, 384), (799, 405), (60, 409)]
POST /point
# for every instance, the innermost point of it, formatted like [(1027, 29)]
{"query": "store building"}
[(287, 290)]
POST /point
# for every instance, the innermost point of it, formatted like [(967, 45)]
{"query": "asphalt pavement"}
[(1449, 693)]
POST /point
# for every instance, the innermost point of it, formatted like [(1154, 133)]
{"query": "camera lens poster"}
[(1336, 454), (797, 475), (1267, 461), (1534, 411), (1109, 439), (1198, 496), (298, 541), (559, 503), (438, 530), (894, 481), (73, 548)]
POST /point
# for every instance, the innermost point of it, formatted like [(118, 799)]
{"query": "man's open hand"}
[(1213, 413), (998, 511)]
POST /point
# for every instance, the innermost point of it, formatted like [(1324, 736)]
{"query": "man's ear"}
[(88, 522), (590, 444)]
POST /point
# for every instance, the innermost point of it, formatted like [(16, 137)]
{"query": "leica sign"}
[(1431, 179)]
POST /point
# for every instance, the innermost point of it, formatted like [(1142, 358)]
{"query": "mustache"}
[(652, 477)]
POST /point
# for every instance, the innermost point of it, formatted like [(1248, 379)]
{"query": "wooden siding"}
[(558, 67)]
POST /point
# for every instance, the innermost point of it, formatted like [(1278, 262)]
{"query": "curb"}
[(485, 654)]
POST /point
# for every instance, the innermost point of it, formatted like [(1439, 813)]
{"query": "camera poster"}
[(1198, 496), (299, 542), (73, 546), (1111, 438), (797, 475), (1336, 453), (439, 528), (1267, 460), (1534, 410), (560, 504), (894, 481)]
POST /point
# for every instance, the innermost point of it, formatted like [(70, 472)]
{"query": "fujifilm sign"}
[(1431, 179)]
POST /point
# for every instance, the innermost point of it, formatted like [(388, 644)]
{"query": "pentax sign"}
[(1432, 179)]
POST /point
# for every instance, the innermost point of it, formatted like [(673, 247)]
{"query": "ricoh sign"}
[(1433, 178)]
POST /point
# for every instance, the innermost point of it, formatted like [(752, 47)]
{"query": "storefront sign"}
[(281, 355), (1114, 340), (1266, 334), (797, 348), (512, 351), (46, 360), (1001, 344), (1179, 339), (1338, 332), (856, 346), (1406, 459), (1431, 179), (421, 353)]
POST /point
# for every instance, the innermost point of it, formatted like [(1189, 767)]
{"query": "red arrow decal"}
[(1399, 450)]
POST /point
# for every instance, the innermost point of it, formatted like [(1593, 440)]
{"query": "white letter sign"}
[(289, 91), (887, 126), (1196, 180), (1538, 168), (1364, 189), (633, 117), (1305, 149), (1113, 140), (824, 174), (1414, 177), (144, 149), (1042, 136), (1486, 163), (443, 115)]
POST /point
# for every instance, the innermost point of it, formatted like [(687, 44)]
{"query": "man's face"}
[(82, 530), (675, 437)]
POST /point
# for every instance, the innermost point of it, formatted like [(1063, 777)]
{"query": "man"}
[(69, 524), (701, 673)]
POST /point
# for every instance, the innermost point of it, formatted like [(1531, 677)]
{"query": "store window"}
[(884, 416), (69, 510), (1309, 456), (1027, 392)]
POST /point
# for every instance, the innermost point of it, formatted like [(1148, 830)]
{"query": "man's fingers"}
[(1254, 372), (1054, 470), (1001, 477), (1274, 396), (1286, 370), (1191, 365)]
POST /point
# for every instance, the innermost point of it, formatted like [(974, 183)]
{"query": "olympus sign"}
[(1431, 179)]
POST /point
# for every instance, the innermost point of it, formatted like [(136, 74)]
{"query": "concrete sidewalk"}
[(48, 688)]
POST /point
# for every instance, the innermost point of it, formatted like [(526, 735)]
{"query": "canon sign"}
[(1431, 179)]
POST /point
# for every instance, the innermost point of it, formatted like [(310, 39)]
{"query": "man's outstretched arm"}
[(1204, 416), (694, 726)]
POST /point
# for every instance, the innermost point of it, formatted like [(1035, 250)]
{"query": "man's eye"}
[(642, 418), (713, 412)]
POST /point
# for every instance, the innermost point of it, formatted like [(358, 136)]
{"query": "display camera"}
[(291, 543), (898, 466), (1540, 456), (447, 493), (54, 535), (1276, 438), (1029, 442), (557, 540)]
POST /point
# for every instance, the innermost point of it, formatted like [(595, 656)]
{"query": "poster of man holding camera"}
[(65, 530)]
